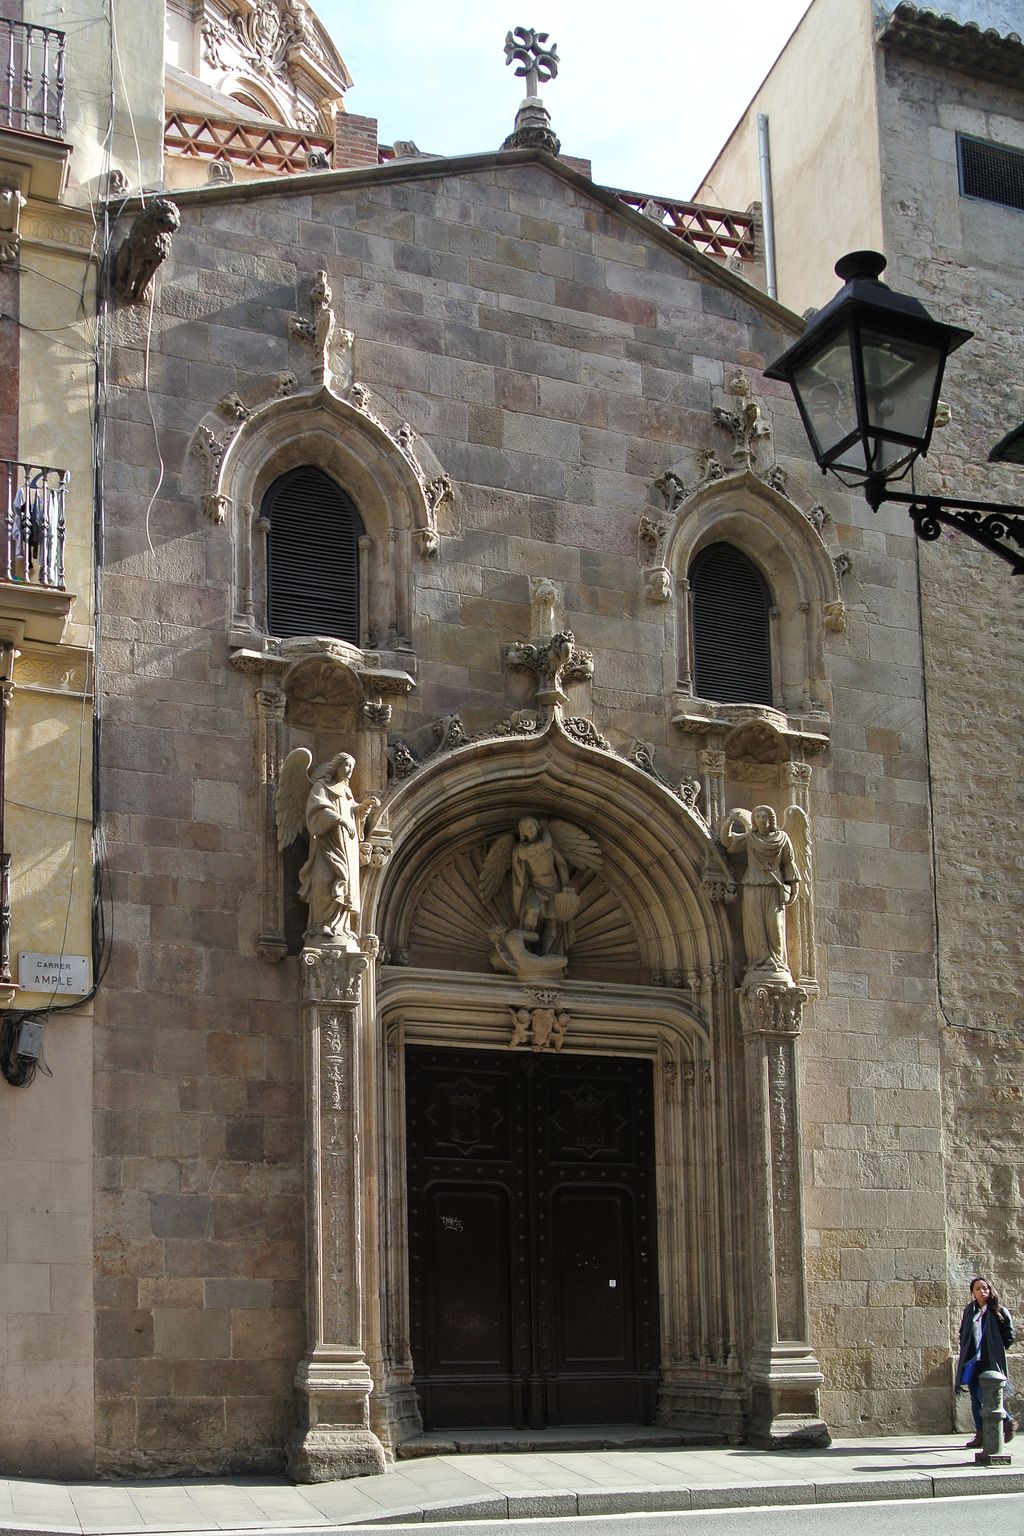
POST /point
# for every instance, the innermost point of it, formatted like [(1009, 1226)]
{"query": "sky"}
[(649, 93)]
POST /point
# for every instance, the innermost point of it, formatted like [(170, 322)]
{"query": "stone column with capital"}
[(333, 1381), (785, 1375)]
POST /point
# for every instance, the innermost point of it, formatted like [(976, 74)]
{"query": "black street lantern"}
[(866, 375)]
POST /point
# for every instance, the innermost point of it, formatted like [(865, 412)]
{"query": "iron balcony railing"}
[(33, 507), (32, 87)]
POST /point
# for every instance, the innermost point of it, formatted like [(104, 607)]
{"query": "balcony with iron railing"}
[(34, 600), (32, 114)]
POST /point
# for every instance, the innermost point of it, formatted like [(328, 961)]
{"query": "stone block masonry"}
[(555, 356)]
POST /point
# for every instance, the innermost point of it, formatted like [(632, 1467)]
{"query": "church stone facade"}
[(591, 1071)]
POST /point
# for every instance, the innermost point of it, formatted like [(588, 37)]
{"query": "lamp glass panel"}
[(824, 384), (901, 380)]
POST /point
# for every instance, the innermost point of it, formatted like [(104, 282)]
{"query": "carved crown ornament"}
[(286, 405)]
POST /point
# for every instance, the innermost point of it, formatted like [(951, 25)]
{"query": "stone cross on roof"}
[(537, 63)]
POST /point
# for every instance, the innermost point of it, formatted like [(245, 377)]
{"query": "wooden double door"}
[(532, 1249)]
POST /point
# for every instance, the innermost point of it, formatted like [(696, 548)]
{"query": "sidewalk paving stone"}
[(500, 1483)]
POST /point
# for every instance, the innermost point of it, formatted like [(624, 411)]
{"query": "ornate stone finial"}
[(554, 663), (321, 333), (538, 64), (747, 426)]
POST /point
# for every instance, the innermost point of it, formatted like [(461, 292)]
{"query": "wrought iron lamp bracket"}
[(994, 524)]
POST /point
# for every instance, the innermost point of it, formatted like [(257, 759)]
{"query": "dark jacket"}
[(997, 1334)]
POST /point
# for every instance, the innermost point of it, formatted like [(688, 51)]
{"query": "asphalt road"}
[(996, 1514)]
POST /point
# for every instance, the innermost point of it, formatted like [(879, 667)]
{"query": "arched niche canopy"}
[(390, 478), (786, 547)]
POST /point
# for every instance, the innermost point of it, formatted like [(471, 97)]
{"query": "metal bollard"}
[(993, 1451)]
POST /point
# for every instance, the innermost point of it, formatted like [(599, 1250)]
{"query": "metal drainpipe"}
[(767, 206)]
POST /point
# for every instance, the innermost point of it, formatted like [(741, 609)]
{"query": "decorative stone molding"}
[(580, 729), (12, 201), (652, 532), (331, 975), (144, 250), (767, 1010), (279, 52)]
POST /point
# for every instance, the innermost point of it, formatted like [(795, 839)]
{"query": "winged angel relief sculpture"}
[(538, 857), (323, 803)]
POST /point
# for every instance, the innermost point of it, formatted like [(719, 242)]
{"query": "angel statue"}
[(538, 855), (323, 802), (770, 885)]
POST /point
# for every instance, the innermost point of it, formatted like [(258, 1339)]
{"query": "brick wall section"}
[(355, 141), (556, 359), (964, 258)]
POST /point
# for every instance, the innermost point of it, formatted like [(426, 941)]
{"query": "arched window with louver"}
[(312, 557), (731, 642)]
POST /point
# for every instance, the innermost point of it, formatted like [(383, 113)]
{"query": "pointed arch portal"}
[(669, 1082)]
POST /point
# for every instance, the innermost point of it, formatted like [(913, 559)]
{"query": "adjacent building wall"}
[(819, 99), (963, 257), (46, 1205)]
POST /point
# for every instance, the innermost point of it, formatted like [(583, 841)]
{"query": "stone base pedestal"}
[(327, 1452), (784, 1416)]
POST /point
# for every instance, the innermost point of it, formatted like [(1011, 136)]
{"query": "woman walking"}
[(986, 1332)]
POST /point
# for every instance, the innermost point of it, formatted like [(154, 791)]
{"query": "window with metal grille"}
[(994, 172), (312, 557), (731, 646)]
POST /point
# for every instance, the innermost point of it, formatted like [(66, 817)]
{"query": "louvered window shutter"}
[(731, 646), (312, 557)]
